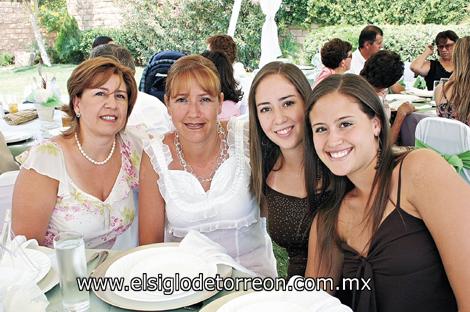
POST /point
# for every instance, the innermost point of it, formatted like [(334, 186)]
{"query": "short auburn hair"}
[(93, 73), (224, 43)]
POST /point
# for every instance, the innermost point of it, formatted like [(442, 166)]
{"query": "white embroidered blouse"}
[(227, 213)]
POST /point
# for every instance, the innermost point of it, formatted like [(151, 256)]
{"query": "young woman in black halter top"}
[(399, 222)]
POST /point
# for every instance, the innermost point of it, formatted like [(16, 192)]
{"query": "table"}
[(97, 305), (35, 128)]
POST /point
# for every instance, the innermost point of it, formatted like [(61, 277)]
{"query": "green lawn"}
[(13, 80)]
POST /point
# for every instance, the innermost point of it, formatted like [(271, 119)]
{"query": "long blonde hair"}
[(460, 82)]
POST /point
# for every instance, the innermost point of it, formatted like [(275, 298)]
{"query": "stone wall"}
[(16, 33), (95, 13)]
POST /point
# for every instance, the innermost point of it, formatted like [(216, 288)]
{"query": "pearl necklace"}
[(223, 155), (95, 162)]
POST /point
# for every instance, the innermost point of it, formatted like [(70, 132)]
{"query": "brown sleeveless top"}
[(289, 225), (404, 267)]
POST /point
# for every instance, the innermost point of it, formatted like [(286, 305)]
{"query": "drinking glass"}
[(70, 253)]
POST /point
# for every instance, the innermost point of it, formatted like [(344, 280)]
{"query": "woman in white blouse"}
[(197, 177), (84, 179)]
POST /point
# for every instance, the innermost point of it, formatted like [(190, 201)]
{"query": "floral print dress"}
[(101, 222)]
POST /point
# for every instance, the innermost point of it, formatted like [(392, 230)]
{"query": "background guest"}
[(99, 40), (453, 97), (196, 178), (443, 67), (7, 163), (230, 89), (57, 188), (382, 70), (336, 55)]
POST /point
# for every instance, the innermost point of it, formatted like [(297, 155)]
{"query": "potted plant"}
[(45, 96)]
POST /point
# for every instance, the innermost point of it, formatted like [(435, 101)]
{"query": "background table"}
[(34, 128)]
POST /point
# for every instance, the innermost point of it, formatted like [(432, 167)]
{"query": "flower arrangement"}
[(46, 93)]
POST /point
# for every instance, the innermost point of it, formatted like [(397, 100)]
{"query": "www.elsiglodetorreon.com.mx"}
[(169, 285)]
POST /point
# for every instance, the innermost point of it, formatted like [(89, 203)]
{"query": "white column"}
[(233, 19)]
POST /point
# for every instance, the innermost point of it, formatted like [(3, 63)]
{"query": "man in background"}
[(101, 40), (370, 42)]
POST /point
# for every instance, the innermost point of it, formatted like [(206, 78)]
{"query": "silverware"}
[(101, 256)]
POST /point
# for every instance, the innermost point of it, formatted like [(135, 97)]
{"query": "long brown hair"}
[(460, 96), (336, 187), (93, 73), (263, 152)]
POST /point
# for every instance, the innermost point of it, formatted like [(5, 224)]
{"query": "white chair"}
[(7, 182), (446, 136)]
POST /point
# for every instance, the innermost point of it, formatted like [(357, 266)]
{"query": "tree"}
[(33, 9)]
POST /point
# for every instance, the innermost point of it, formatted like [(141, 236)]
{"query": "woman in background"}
[(230, 88), (336, 55), (384, 220), (443, 67), (197, 177), (453, 97)]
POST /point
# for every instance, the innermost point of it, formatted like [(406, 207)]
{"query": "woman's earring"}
[(78, 114), (379, 155)]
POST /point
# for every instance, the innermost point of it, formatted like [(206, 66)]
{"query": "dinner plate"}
[(403, 98), (165, 261), (218, 303), (114, 299), (52, 277), (39, 259), (420, 92), (277, 301), (14, 137)]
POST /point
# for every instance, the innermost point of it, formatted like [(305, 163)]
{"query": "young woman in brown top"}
[(277, 109), (398, 222)]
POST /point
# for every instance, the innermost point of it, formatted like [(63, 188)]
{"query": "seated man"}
[(6, 158), (382, 70), (148, 110)]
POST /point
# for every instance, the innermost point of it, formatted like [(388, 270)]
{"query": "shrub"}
[(398, 12), (6, 58), (67, 43), (407, 40)]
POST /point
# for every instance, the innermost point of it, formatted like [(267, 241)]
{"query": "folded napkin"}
[(18, 292), (201, 245), (20, 117)]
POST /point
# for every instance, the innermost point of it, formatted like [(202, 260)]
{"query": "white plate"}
[(42, 262), (52, 277), (421, 92), (14, 137), (277, 301), (166, 261), (402, 97)]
